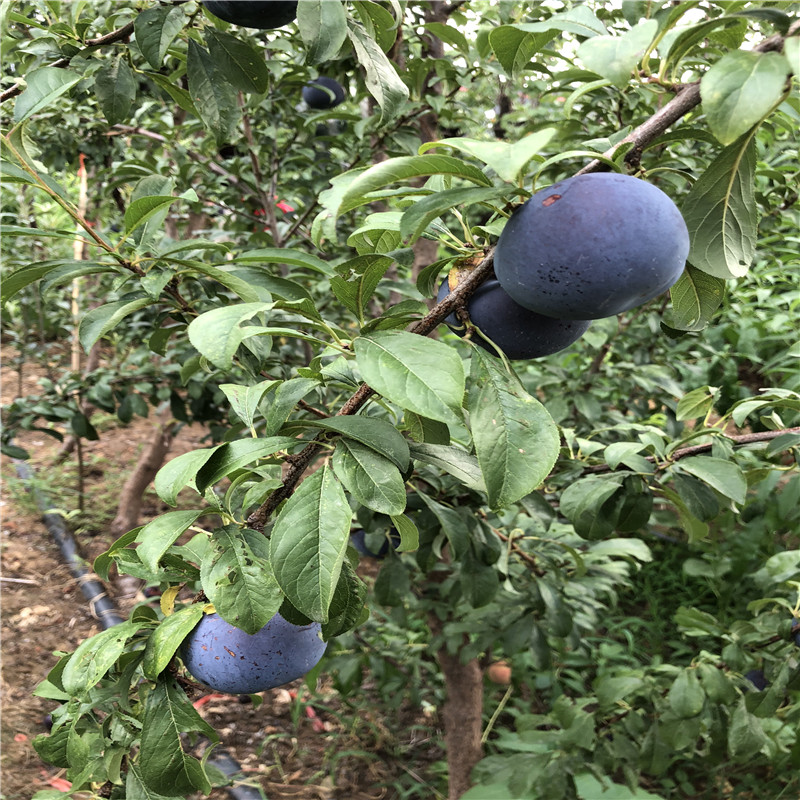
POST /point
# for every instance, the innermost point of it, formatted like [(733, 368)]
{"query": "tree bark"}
[(462, 714), (130, 502)]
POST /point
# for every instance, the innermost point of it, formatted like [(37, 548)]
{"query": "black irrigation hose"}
[(105, 610)]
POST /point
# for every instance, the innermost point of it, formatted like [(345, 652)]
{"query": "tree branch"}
[(696, 449), (110, 38)]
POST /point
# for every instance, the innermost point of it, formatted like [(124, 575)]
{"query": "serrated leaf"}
[(696, 403), (237, 578), (515, 439), (323, 28), (308, 543), (167, 637), (179, 472), (373, 480), (740, 89), (211, 94), (115, 87), (356, 292), (242, 65), (44, 86), (686, 696), (235, 455), (278, 407), (724, 476), (27, 274), (409, 534), (454, 460), (417, 373), (507, 159), (377, 434), (143, 209), (163, 764), (98, 321), (155, 30), (94, 657), (218, 333), (160, 534), (615, 57), (746, 737), (244, 400), (721, 212), (695, 297), (382, 80), (403, 168)]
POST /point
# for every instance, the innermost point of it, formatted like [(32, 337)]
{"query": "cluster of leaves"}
[(308, 340)]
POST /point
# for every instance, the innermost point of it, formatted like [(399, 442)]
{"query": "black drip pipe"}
[(105, 610)]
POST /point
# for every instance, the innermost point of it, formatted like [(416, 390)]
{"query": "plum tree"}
[(264, 14), (592, 246), (229, 660), (518, 332), (323, 92)]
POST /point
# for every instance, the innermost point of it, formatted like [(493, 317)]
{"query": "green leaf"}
[(236, 455), (393, 584), (696, 403), (452, 459), (94, 657), (45, 86), (377, 434), (155, 30), (695, 297), (179, 472), (244, 400), (409, 535), (75, 269), (582, 503), (746, 737), (218, 333), (115, 87), (740, 90), (417, 373), (514, 48), (98, 321), (212, 95), (237, 578), (724, 476), (516, 440), (167, 637), (404, 168), (429, 431), (418, 216), (721, 212), (280, 405), (27, 274), (579, 20), (160, 534), (361, 276), (348, 604), (373, 480), (610, 691), (615, 57), (382, 80), (143, 209), (507, 159), (449, 34), (323, 28), (277, 255), (241, 64), (164, 766), (308, 543), (686, 696), (135, 788)]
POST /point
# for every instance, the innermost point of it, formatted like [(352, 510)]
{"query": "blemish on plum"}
[(548, 201)]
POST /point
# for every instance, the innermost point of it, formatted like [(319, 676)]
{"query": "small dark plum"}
[(757, 678), (592, 246), (518, 332), (364, 543), (796, 629), (322, 93), (264, 14), (229, 660)]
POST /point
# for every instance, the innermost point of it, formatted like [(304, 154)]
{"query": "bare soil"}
[(293, 745)]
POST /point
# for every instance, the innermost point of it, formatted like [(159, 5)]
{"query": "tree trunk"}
[(462, 714), (130, 502)]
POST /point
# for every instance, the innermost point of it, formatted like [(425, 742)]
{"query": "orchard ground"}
[(334, 754)]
